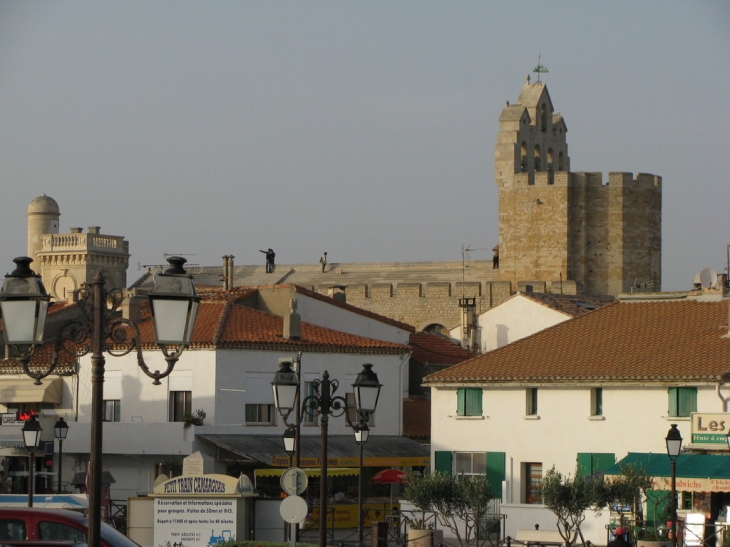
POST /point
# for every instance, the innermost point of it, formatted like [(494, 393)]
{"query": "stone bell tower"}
[(66, 261), (565, 232)]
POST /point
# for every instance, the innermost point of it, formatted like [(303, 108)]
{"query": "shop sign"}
[(11, 419), (203, 484), (710, 430)]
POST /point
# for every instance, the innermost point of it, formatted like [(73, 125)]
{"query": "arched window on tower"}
[(543, 118), (561, 167), (550, 160), (537, 157), (523, 157)]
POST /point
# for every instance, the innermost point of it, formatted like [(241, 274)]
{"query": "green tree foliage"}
[(569, 498), (459, 502)]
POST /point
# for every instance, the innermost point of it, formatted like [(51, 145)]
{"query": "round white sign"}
[(293, 509), (294, 481)]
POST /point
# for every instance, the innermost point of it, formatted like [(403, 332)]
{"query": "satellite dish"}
[(708, 278)]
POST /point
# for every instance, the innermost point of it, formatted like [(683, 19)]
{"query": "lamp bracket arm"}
[(171, 358), (338, 407)]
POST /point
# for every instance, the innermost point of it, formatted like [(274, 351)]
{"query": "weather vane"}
[(540, 68)]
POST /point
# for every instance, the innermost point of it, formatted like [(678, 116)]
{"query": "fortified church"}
[(559, 232)]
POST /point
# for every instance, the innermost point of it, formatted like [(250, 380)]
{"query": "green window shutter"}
[(461, 402), (673, 399), (594, 463), (496, 472), (657, 501), (585, 464), (686, 401), (442, 461), (604, 461), (473, 402)]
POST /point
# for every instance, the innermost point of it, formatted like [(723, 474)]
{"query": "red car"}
[(38, 525)]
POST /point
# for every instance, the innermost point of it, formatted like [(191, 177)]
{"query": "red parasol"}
[(389, 476)]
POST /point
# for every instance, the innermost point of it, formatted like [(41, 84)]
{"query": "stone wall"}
[(424, 304)]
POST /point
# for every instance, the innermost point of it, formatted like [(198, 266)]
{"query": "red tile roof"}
[(436, 349), (569, 304), (660, 341)]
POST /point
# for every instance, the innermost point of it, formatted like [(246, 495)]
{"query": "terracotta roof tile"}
[(222, 322), (569, 304), (431, 348), (663, 341)]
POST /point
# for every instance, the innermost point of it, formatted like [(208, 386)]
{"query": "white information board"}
[(194, 522)]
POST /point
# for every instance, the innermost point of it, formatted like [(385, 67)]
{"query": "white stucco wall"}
[(221, 384), (326, 315), (634, 420), (512, 320)]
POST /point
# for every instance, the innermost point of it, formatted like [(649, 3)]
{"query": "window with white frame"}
[(180, 404), (470, 463), (532, 481), (308, 391), (113, 410), (259, 406), (531, 402), (597, 401)]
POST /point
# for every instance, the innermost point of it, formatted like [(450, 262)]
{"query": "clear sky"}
[(365, 129)]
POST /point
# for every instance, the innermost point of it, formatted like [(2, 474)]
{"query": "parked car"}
[(30, 526)]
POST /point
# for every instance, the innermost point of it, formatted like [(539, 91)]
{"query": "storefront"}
[(263, 459), (702, 481)]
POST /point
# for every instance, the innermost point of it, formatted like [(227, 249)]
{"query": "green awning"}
[(695, 472)]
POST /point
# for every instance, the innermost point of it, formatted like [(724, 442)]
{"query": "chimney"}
[(227, 276), (94, 229), (132, 307), (292, 322), (76, 230)]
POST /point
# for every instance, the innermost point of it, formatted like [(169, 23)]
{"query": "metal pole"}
[(324, 405), (97, 409), (359, 500), (674, 502), (60, 463), (31, 458)]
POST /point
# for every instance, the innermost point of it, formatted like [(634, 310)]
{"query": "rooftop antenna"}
[(465, 250), (540, 68)]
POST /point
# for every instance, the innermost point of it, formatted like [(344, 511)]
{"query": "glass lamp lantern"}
[(24, 304), (367, 390), (174, 304)]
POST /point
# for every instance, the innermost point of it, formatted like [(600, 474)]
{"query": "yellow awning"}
[(23, 390), (310, 471)]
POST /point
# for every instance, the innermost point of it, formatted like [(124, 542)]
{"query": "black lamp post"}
[(323, 404), (361, 437), (24, 302), (61, 430), (31, 436), (674, 447)]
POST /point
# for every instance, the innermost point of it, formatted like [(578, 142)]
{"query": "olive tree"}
[(569, 498), (460, 502)]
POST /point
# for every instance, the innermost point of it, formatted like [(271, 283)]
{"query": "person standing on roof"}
[(270, 256), (323, 261)]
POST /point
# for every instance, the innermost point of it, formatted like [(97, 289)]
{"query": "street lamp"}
[(31, 436), (173, 304), (324, 404), (61, 430), (361, 437), (290, 437), (674, 447)]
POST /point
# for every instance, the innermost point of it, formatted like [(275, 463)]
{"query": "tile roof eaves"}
[(314, 346)]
